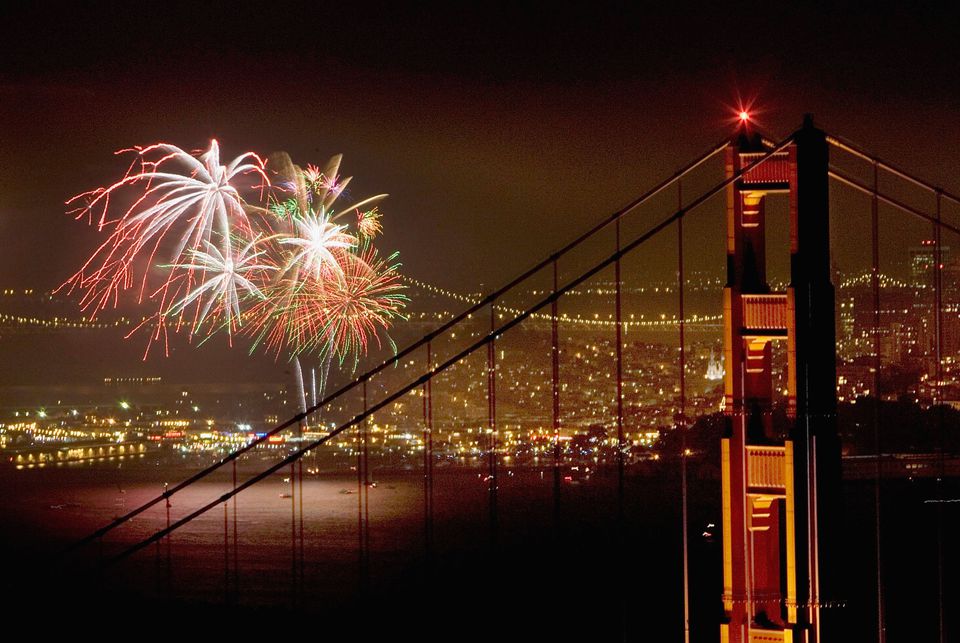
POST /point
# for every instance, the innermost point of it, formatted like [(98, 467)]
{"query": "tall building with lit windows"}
[(922, 259)]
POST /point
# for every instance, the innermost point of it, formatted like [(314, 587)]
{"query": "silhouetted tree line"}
[(904, 427)]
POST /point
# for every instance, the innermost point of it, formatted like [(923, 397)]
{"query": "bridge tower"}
[(778, 489)]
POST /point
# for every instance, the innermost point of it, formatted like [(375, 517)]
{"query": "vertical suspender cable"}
[(166, 502), (365, 521), (366, 486), (293, 533), (226, 555), (300, 518), (682, 417), (236, 567), (938, 321), (875, 285), (300, 426), (159, 555), (555, 387), (492, 418), (618, 336), (426, 466), (428, 459), (361, 438), (430, 445), (619, 365)]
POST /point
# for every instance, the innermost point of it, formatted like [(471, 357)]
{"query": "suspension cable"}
[(845, 145), (490, 337), (395, 359)]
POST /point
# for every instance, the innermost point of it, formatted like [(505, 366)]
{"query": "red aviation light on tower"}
[(741, 113)]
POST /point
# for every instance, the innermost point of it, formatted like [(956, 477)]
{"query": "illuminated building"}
[(922, 261)]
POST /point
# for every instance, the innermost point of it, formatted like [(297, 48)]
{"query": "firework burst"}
[(352, 310), (368, 223), (231, 276), (177, 198), (254, 248), (317, 245)]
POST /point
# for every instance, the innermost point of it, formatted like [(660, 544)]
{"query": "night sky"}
[(498, 133)]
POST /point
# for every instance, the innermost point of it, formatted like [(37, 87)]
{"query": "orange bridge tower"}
[(779, 486)]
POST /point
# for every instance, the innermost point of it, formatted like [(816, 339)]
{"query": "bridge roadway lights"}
[(775, 513)]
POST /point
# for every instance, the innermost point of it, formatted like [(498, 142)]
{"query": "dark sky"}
[(498, 132)]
